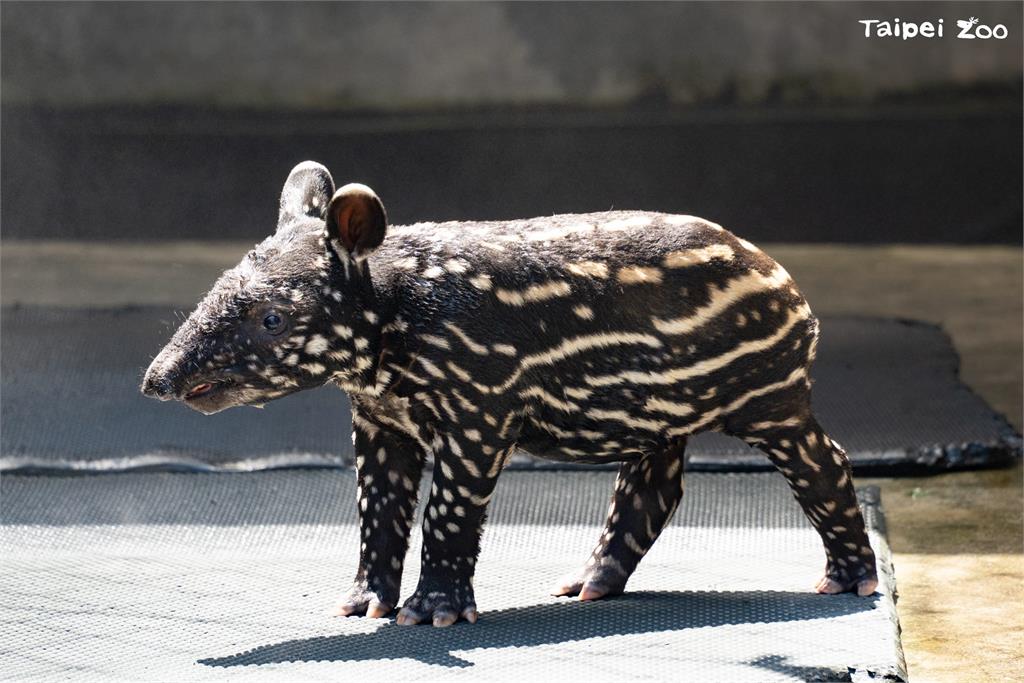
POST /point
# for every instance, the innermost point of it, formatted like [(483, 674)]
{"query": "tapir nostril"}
[(157, 385)]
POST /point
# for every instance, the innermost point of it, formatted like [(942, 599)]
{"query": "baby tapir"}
[(593, 338)]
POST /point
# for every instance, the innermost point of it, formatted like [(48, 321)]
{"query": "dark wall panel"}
[(921, 175)]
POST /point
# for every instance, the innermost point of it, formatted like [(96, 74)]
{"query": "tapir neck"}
[(365, 313)]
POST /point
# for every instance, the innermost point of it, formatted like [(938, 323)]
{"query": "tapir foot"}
[(362, 600), (835, 582), (440, 602), (593, 583)]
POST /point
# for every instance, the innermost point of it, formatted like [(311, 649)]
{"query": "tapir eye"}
[(273, 322)]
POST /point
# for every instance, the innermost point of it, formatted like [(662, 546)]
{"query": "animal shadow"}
[(557, 622)]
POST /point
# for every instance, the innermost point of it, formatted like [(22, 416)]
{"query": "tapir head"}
[(294, 314)]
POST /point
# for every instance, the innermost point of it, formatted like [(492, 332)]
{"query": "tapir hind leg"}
[(819, 475)]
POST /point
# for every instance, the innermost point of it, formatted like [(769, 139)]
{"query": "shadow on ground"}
[(782, 665), (553, 623)]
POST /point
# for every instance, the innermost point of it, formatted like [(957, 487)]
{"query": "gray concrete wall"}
[(399, 56)]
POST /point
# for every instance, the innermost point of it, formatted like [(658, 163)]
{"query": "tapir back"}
[(616, 330)]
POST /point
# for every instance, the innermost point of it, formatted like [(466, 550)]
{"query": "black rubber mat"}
[(195, 577), (887, 390)]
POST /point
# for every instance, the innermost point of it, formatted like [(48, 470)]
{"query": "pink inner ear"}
[(347, 228)]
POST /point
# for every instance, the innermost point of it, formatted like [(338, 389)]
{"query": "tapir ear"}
[(306, 193), (356, 219)]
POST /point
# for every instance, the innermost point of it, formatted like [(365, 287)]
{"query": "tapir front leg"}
[(464, 479), (389, 467)]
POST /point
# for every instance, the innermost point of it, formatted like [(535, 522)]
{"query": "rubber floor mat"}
[(196, 577), (886, 389)]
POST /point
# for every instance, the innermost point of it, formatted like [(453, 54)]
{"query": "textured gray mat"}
[(887, 390), (189, 577)]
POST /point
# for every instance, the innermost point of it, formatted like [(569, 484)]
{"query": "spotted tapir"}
[(590, 338)]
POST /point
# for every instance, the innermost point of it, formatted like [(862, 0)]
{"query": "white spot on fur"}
[(680, 219), (316, 345), (692, 257), (464, 403), (747, 245), (396, 325), (481, 282), (434, 340), (406, 263), (631, 275), (585, 312), (456, 266), (579, 393), (446, 470), (545, 397), (470, 344), (452, 415), (626, 419), (534, 293), (458, 372), (588, 269), (430, 367), (670, 407), (504, 349)]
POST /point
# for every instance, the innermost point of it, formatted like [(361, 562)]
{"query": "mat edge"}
[(907, 462), (871, 496)]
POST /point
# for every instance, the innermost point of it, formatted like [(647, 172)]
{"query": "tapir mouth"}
[(209, 397), (199, 390)]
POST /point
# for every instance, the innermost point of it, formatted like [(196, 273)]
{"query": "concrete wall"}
[(175, 120), (399, 56)]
